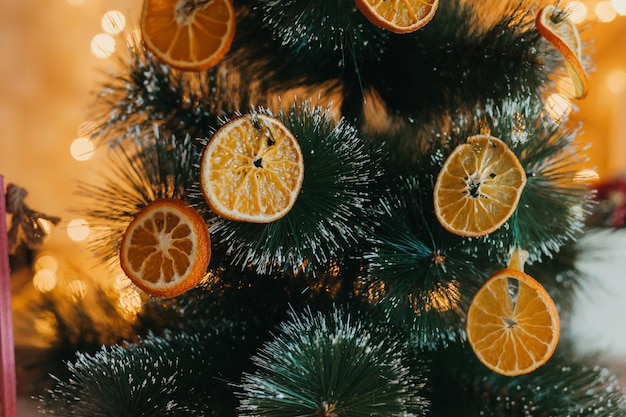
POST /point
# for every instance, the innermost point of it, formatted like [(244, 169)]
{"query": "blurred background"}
[(54, 57)]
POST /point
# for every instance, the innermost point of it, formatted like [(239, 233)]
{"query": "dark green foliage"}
[(375, 285), (154, 165), (427, 275), (333, 364), (568, 385), (170, 376)]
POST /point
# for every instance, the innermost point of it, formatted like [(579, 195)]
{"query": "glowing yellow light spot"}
[(78, 230), (45, 325), (586, 175), (619, 6), (558, 107), (45, 280), (577, 11), (616, 81), (102, 45), (82, 149), (121, 283), (133, 40), (605, 11), (77, 289), (129, 303), (48, 262), (113, 22)]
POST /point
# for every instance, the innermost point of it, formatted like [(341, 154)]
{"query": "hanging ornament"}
[(190, 35), (478, 187), (512, 323), (398, 16), (252, 169), (561, 32), (166, 249)]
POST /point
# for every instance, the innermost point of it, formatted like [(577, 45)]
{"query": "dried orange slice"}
[(166, 248), (398, 16), (562, 33), (252, 169), (478, 187), (513, 325), (191, 35)]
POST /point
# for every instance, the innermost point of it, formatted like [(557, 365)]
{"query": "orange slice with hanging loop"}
[(478, 187), (562, 33), (252, 169), (398, 16), (166, 248), (191, 35), (512, 324)]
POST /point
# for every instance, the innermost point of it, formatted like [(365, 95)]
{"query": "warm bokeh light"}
[(82, 149), (619, 6), (78, 230), (133, 40), (558, 107), (616, 81), (75, 2), (48, 262), (102, 45), (129, 303), (605, 11), (77, 290), (113, 22), (45, 280), (577, 11), (586, 176)]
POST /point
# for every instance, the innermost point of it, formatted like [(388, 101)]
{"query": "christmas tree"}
[(342, 208)]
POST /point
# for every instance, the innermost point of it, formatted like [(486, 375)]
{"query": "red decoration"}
[(8, 393)]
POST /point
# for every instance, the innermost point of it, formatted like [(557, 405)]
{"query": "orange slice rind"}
[(478, 187), (166, 248), (513, 325), (191, 35), (563, 34), (398, 16), (252, 169)]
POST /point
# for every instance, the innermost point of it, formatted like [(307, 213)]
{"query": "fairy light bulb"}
[(81, 149), (102, 45), (576, 11), (558, 107), (619, 6), (605, 11), (78, 230), (45, 280), (113, 22)]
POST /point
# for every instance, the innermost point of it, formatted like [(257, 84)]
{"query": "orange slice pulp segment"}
[(478, 187), (398, 16), (252, 169), (562, 33), (166, 248), (191, 35)]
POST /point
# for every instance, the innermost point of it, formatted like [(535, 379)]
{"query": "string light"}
[(48, 262), (577, 11), (619, 6), (102, 45), (78, 230), (605, 11), (45, 280), (82, 149), (558, 107), (113, 22)]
